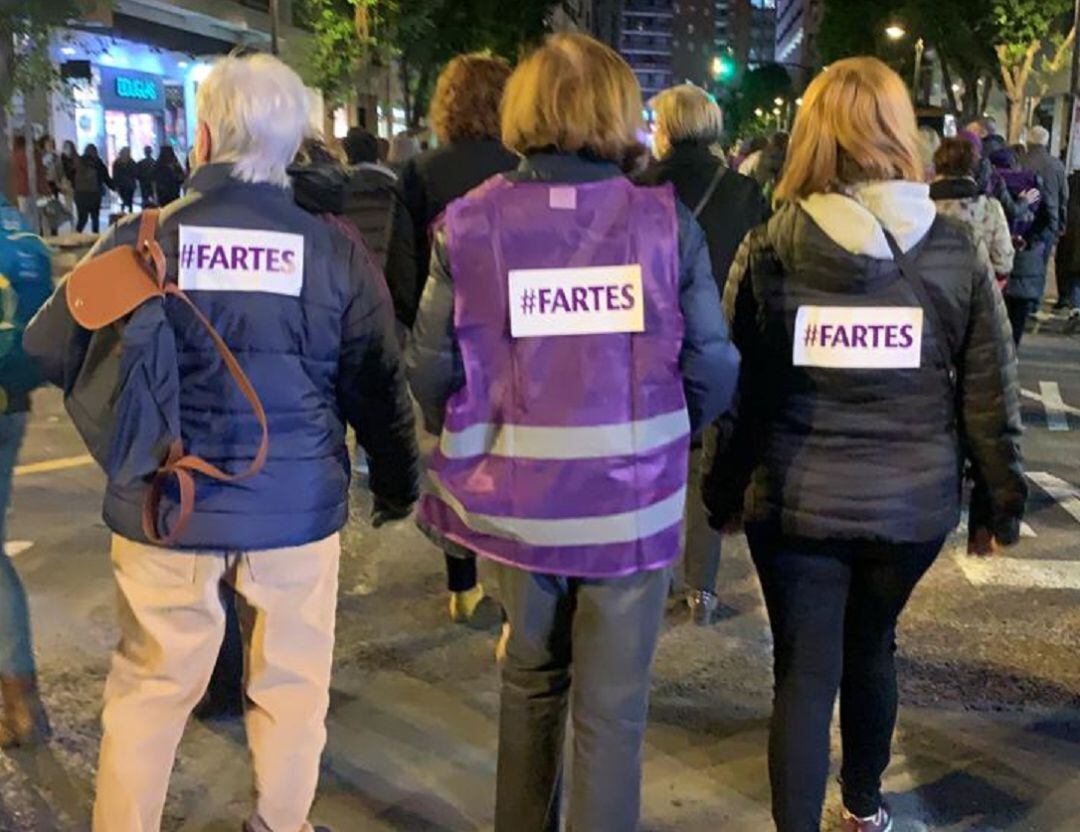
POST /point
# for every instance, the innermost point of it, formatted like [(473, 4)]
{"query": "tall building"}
[(573, 16), (797, 24), (746, 28), (668, 41)]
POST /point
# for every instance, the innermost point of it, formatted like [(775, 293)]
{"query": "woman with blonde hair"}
[(876, 361), (727, 205), (568, 344)]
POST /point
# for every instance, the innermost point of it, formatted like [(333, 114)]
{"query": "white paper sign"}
[(845, 337), (582, 301), (240, 260)]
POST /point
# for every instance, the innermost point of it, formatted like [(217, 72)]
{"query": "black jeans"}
[(833, 608), (460, 573), (88, 207), (1018, 309), (127, 199)]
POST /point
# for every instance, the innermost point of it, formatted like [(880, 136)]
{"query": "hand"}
[(981, 543), (385, 512), (1031, 196)]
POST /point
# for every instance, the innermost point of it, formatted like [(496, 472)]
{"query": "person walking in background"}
[(1068, 258), (25, 283), (956, 195), (465, 117), (403, 148), (169, 177), (20, 172), (876, 357), (144, 173), (563, 459), (727, 205), (768, 169), (929, 142), (1033, 234), (317, 343), (125, 177), (92, 182), (1039, 160)]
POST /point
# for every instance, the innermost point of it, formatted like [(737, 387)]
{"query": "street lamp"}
[(759, 112), (894, 31), (778, 101)]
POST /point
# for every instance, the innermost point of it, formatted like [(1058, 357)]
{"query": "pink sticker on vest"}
[(563, 199)]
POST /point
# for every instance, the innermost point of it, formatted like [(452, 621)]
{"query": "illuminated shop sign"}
[(128, 89)]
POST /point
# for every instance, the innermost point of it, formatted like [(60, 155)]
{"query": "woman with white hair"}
[(727, 205), (308, 319)]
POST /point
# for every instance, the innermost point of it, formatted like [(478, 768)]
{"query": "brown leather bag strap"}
[(147, 245), (179, 464)]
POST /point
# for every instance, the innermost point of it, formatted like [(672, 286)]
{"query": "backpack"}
[(125, 399), (25, 284)]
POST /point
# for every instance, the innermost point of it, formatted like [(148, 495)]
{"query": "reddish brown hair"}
[(955, 157), (467, 98)]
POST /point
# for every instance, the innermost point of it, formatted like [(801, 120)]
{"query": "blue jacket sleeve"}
[(709, 361)]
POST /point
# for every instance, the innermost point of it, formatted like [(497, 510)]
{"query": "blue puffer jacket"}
[(317, 360)]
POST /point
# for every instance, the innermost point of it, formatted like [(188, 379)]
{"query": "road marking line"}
[(1067, 497), (1031, 394), (1055, 406), (1017, 572), (54, 465), (13, 548)]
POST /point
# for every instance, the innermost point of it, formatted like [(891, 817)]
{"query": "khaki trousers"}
[(172, 622)]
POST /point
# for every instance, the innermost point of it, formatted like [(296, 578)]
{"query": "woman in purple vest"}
[(569, 342)]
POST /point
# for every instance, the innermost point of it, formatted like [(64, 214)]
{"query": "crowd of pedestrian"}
[(621, 360), (73, 188)]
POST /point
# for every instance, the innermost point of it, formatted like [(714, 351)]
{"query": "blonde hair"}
[(257, 110), (575, 95), (685, 113), (467, 96), (856, 125)]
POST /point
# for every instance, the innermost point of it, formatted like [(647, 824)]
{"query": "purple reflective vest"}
[(563, 454)]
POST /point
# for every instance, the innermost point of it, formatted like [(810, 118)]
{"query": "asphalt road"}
[(989, 737)]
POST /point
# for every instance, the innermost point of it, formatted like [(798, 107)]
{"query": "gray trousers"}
[(588, 644), (701, 554)]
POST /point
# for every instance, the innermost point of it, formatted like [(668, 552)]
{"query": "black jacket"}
[(866, 454), (736, 206), (168, 179), (434, 179), (367, 196), (124, 175)]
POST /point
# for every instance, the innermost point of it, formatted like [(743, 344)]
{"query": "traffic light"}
[(723, 68)]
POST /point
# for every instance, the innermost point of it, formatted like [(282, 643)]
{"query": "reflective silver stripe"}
[(563, 443), (573, 531)]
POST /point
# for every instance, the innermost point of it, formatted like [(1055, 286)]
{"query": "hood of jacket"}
[(854, 219), (319, 189)]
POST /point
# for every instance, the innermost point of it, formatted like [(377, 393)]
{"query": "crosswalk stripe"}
[(1056, 419), (1067, 497), (1019, 572), (50, 465), (1031, 394)]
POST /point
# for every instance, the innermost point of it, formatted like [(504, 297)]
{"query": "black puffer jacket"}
[(867, 453)]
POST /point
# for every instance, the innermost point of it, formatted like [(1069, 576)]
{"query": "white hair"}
[(257, 110), (1039, 136)]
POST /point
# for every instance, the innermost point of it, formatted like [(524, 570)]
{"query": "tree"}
[(1022, 28), (1053, 64), (26, 29), (760, 89), (337, 48)]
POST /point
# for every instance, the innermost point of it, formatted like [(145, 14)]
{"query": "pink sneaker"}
[(881, 821)]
